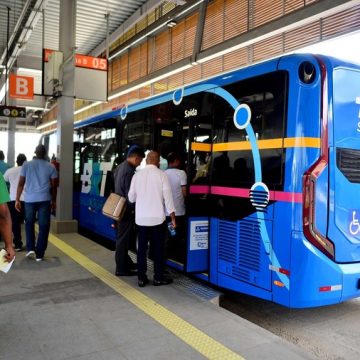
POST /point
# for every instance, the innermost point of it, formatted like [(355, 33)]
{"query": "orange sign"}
[(21, 87), (85, 61), (90, 62)]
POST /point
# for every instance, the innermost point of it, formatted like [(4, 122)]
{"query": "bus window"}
[(265, 95), (97, 148), (136, 129)]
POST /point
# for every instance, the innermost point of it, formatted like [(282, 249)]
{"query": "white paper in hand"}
[(4, 265)]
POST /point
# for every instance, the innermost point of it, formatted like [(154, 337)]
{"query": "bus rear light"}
[(284, 271), (279, 283), (310, 231), (279, 270), (330, 288)]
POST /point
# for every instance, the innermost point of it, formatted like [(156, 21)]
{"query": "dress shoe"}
[(126, 273), (143, 282), (163, 281)]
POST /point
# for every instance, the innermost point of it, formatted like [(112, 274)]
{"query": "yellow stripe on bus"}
[(302, 142), (198, 340), (200, 147), (262, 144)]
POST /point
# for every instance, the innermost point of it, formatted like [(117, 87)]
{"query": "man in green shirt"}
[(5, 220)]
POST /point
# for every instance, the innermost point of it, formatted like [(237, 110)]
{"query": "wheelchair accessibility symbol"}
[(354, 226)]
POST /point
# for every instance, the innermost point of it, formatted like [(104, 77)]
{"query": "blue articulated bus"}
[(272, 155)]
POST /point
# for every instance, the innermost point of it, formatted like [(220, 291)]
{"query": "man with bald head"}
[(150, 190)]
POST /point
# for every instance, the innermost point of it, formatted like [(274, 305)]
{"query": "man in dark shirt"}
[(126, 226)]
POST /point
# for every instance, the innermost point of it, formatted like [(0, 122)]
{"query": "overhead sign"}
[(90, 77), (13, 111), (21, 87), (85, 61)]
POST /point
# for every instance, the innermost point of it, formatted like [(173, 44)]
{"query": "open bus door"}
[(186, 128), (198, 201)]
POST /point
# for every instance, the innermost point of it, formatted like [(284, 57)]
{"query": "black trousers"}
[(125, 235), (17, 218), (175, 246), (156, 236)]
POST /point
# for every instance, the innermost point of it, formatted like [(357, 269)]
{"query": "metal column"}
[(11, 141), (65, 128)]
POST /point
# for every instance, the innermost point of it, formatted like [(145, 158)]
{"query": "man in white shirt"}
[(12, 176), (150, 190), (178, 180)]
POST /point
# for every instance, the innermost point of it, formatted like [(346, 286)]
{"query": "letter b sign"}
[(21, 87)]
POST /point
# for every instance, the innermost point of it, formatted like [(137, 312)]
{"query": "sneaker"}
[(30, 254), (18, 249), (39, 259)]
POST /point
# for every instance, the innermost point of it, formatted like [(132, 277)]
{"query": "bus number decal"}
[(86, 178)]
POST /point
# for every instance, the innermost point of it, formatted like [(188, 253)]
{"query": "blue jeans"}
[(42, 209)]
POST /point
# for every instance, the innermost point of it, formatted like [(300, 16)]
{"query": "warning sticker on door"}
[(199, 235)]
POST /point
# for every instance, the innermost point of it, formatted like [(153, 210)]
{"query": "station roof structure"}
[(28, 26)]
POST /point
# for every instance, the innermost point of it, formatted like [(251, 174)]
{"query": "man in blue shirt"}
[(3, 165), (40, 178)]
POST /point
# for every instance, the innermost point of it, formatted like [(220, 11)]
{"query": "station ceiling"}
[(26, 24)]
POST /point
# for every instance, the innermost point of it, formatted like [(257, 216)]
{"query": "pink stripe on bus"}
[(199, 189), (244, 193), (237, 192), (286, 196)]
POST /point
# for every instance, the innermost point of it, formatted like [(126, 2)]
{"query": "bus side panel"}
[(315, 279), (91, 217), (283, 222), (239, 255)]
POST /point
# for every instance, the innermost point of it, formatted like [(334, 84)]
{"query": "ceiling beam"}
[(139, 14)]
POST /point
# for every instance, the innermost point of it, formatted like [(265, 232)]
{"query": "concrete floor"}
[(56, 309)]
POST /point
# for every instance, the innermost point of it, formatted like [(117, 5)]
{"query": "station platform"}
[(72, 306)]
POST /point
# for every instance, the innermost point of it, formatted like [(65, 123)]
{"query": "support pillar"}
[(11, 141), (65, 127)]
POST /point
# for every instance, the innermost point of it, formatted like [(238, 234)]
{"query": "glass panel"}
[(265, 95)]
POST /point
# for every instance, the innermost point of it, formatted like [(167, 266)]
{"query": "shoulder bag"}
[(114, 207)]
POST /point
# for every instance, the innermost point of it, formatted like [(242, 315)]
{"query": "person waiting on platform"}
[(12, 176), (40, 178), (178, 181), (150, 190), (3, 165), (123, 175), (5, 220)]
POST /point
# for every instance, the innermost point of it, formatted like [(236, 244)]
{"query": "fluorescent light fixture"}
[(43, 126), (160, 77), (48, 132), (171, 23), (136, 41), (28, 70), (190, 8), (87, 107)]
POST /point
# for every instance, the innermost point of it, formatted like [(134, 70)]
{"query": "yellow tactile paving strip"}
[(188, 333)]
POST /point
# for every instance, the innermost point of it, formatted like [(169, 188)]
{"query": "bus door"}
[(199, 111)]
